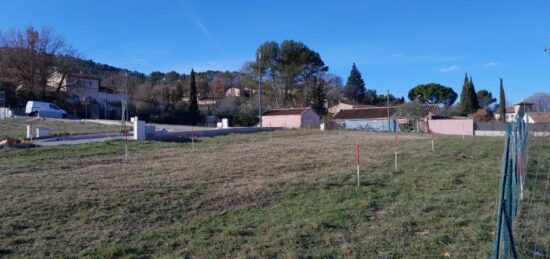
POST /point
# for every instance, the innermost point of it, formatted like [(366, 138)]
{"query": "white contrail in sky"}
[(201, 27), (450, 69)]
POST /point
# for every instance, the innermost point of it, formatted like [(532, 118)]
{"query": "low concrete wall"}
[(108, 122), (167, 136), (491, 133), (5, 113), (452, 126)]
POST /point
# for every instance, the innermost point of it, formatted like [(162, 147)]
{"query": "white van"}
[(44, 109)]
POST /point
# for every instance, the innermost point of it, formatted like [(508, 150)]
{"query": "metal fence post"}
[(504, 166)]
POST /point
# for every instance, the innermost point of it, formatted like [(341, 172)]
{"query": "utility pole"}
[(125, 116), (260, 88), (124, 104), (126, 96), (105, 105), (388, 103)]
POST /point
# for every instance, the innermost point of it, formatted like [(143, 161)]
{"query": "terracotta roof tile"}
[(365, 113), (540, 117), (279, 112), (525, 102)]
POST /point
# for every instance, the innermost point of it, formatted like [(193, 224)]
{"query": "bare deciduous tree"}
[(541, 101), (33, 54)]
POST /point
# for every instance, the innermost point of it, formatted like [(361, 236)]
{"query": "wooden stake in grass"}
[(520, 174), (395, 150), (126, 145), (270, 137), (357, 162), (462, 130), (432, 141), (193, 138)]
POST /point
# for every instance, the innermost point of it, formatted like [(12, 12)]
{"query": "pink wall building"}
[(291, 118), (452, 126)]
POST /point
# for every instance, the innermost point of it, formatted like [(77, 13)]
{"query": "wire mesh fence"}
[(522, 228)]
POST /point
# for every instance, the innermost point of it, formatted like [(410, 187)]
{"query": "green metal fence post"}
[(505, 155)]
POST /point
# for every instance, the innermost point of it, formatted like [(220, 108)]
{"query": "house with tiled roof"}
[(291, 118), (519, 109), (537, 117), (365, 113), (369, 119), (105, 102), (347, 106)]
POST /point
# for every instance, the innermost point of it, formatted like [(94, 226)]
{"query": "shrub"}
[(483, 115), (245, 120)]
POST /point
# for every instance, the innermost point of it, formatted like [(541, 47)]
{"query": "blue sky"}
[(396, 44)]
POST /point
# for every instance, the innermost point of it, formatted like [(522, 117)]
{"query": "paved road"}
[(164, 132)]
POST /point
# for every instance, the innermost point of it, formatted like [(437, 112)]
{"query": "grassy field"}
[(247, 196), (533, 224), (17, 127)]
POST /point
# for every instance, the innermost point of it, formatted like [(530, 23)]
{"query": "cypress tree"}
[(502, 104), (468, 98), (475, 101), (464, 99), (355, 86), (193, 103)]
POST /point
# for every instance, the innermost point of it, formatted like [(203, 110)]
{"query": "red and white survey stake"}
[(357, 161)]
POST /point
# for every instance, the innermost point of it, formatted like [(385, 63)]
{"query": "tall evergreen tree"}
[(464, 100), (473, 96), (318, 97), (502, 104), (355, 86), (193, 103), (468, 98)]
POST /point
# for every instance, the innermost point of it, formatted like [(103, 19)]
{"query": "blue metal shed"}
[(371, 125)]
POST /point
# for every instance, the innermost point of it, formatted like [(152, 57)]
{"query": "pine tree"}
[(502, 104), (468, 98), (193, 103), (355, 86), (318, 97)]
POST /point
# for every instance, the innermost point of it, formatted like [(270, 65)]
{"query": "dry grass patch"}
[(247, 196)]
